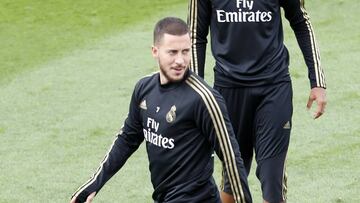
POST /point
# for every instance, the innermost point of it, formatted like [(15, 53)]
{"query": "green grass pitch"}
[(67, 70)]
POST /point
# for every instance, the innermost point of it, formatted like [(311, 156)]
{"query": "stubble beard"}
[(168, 77)]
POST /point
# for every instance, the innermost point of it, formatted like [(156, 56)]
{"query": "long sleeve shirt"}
[(182, 124), (247, 41)]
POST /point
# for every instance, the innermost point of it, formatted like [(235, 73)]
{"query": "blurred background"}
[(67, 71)]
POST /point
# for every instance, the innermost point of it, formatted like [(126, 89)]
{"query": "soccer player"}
[(251, 73), (182, 121)]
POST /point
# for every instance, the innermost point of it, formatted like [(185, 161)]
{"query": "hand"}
[(318, 94), (89, 199)]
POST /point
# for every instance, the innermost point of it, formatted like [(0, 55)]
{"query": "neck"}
[(163, 79)]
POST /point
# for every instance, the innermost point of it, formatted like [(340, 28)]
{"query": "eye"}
[(186, 51), (172, 52)]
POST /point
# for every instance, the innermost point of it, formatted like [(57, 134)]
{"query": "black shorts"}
[(261, 118)]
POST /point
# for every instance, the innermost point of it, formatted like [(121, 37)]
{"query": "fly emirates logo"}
[(245, 13), (150, 135)]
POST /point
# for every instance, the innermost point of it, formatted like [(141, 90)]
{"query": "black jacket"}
[(182, 124)]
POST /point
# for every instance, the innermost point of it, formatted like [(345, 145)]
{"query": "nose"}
[(179, 60)]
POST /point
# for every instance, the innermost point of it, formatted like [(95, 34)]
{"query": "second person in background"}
[(251, 73)]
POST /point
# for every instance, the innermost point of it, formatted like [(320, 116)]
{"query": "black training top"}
[(247, 40), (182, 124)]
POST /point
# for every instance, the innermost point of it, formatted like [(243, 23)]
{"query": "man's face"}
[(173, 56)]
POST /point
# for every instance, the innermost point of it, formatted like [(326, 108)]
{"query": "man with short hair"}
[(182, 121), (251, 73)]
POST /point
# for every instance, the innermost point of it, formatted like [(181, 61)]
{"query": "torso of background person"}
[(247, 43)]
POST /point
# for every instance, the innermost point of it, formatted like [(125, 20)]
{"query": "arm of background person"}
[(199, 16), (299, 20)]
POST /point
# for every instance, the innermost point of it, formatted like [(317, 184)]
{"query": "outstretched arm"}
[(127, 142)]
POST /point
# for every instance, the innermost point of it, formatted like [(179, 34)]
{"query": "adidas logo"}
[(143, 105), (287, 125)]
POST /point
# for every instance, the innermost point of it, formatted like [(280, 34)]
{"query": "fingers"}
[(320, 109), (90, 198), (319, 95), (309, 103), (318, 113)]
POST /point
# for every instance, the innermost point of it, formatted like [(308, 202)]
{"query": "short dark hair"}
[(169, 25)]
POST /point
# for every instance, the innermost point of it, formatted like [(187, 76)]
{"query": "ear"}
[(154, 51)]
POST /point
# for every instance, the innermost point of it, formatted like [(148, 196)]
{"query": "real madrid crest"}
[(171, 115)]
